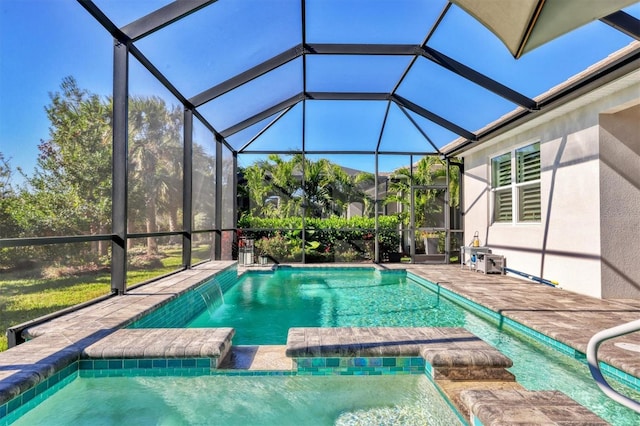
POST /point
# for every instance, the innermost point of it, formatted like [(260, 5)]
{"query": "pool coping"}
[(610, 362)]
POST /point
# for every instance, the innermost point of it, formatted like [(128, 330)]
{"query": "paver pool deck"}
[(567, 317)]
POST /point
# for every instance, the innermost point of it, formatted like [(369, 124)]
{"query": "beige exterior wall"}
[(620, 202), (582, 194)]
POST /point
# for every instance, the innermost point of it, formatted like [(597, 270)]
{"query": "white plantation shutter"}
[(528, 163), (529, 203), (501, 171), (503, 207), (523, 183)]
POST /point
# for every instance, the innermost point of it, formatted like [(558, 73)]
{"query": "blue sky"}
[(42, 41)]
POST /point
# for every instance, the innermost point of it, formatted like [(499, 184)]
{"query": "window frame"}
[(514, 187)]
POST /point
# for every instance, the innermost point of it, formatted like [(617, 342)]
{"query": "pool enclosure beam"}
[(624, 22), (364, 49), (611, 71), (478, 78), (262, 115), (422, 132), (303, 20), (246, 76), (162, 17), (119, 172), (433, 117), (376, 195), (187, 188), (218, 201), (264, 129), (342, 96)]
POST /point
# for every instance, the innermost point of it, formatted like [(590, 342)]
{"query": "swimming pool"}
[(383, 298), (262, 306), (242, 400)]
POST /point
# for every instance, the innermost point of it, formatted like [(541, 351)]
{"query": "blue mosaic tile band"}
[(13, 409), (621, 376), (146, 363), (180, 311), (373, 366)]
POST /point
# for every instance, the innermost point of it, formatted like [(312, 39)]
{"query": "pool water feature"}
[(244, 400), (263, 306)]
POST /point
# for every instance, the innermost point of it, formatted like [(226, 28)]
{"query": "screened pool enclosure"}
[(280, 130)]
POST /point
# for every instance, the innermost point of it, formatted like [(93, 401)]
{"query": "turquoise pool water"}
[(263, 306), (238, 400)]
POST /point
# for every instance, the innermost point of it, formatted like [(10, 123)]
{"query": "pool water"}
[(262, 307), (242, 400)]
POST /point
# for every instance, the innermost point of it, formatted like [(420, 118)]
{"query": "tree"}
[(8, 226), (69, 192)]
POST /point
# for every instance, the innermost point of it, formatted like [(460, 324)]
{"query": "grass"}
[(23, 298), (27, 296)]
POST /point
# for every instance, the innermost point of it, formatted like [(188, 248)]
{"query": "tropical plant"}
[(428, 171), (324, 237), (276, 187)]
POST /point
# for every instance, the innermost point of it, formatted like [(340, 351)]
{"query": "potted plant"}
[(262, 246)]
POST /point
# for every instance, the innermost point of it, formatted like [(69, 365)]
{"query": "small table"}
[(469, 255)]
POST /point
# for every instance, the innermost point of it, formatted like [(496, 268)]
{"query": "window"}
[(520, 183)]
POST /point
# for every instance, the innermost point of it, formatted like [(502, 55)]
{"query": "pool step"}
[(500, 407), (166, 343), (257, 358), (469, 371), (451, 352)]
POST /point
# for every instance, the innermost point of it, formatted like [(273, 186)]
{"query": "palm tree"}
[(429, 171), (327, 189), (155, 163)]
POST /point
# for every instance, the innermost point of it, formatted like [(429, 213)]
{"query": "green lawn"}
[(26, 297)]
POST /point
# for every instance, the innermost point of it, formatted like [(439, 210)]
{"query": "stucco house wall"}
[(620, 201), (589, 233)]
